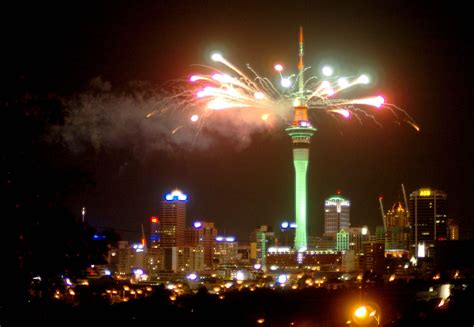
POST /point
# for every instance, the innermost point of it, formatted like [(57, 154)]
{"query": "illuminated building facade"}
[(453, 230), (286, 235), (172, 220), (358, 235), (397, 233), (336, 215), (225, 251), (203, 234), (342, 241), (428, 220), (262, 238)]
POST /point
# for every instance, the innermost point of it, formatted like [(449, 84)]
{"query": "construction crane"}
[(382, 212), (406, 202)]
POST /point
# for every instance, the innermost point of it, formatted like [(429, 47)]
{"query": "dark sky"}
[(420, 53)]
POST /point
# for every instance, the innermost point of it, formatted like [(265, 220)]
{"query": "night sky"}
[(420, 53)]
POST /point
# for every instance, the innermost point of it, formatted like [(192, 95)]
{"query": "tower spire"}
[(301, 69)]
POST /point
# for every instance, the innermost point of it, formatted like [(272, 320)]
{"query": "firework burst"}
[(229, 87)]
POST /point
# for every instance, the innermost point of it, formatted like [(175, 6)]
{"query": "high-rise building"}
[(358, 235), (225, 251), (172, 219), (336, 215), (286, 234), (428, 219), (342, 241), (396, 235), (261, 239), (203, 234)]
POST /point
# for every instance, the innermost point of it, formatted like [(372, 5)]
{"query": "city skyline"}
[(242, 180)]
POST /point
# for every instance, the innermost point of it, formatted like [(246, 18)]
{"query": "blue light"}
[(98, 237), (176, 195), (284, 225), (219, 238), (197, 224)]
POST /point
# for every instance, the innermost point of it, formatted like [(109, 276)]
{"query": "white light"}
[(282, 279), (219, 238), (293, 225), (284, 225), (192, 276), (230, 238), (327, 71), (257, 266), (278, 67), (197, 224), (364, 230), (364, 79), (217, 57), (138, 272), (107, 272), (285, 82), (239, 275), (421, 250), (194, 118), (273, 267)]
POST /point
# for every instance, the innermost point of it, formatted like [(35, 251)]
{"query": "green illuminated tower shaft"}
[(300, 132)]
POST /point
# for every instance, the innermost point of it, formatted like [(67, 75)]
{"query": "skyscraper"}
[(336, 215), (203, 234), (173, 219), (396, 235), (428, 219)]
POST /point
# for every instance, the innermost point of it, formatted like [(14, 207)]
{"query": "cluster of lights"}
[(286, 225), (225, 238)]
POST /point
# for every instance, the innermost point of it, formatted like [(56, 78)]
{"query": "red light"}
[(154, 219)]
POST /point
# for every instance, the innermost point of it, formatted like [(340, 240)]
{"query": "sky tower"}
[(300, 132)]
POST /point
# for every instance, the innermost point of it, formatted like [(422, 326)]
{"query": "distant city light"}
[(278, 67), (219, 238), (240, 275), (197, 224), (282, 279), (154, 219), (107, 272), (230, 238), (364, 230), (284, 225), (192, 276), (257, 266)]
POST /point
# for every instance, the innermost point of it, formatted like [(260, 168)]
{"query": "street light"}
[(365, 315)]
